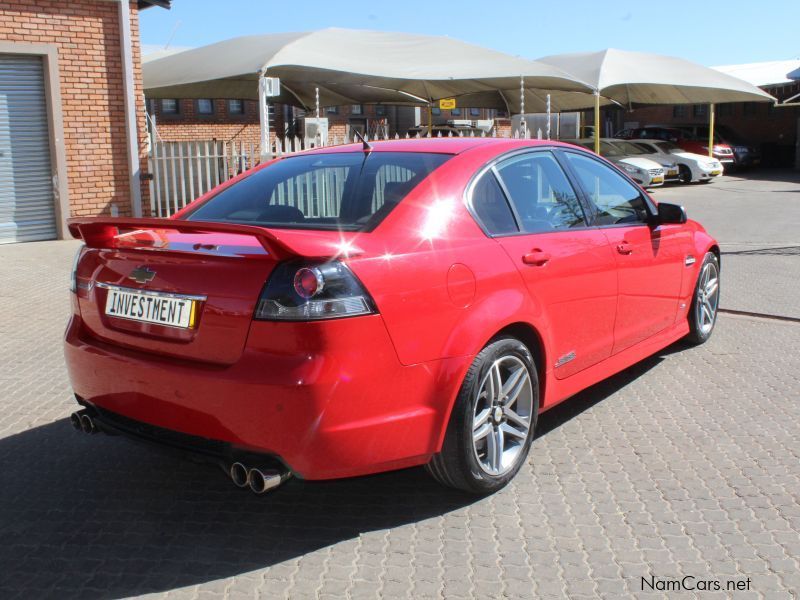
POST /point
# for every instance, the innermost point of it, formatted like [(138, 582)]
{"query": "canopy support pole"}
[(548, 116), (711, 130), (263, 117), (597, 122), (430, 118), (523, 125)]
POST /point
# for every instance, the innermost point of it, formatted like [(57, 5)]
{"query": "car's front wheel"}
[(705, 303), (491, 426)]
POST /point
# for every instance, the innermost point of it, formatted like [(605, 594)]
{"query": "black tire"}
[(457, 465), (698, 332), (684, 174)]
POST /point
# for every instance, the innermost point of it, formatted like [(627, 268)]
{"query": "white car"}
[(667, 161), (644, 171), (691, 166)]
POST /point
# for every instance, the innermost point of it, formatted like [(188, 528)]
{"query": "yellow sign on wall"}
[(447, 103)]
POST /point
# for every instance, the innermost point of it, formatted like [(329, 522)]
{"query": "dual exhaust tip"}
[(83, 421), (258, 480)]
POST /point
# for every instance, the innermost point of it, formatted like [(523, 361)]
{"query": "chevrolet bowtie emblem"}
[(142, 275)]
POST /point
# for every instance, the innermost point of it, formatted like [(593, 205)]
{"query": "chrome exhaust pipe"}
[(87, 424), (264, 481), (239, 474), (75, 420)]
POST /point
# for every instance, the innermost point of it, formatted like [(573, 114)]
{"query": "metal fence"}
[(182, 171)]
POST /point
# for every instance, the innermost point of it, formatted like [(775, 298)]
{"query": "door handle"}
[(624, 248), (536, 257)]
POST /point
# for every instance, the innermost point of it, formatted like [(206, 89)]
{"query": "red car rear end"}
[(175, 337), (355, 309)]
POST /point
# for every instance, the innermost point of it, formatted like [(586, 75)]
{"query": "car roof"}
[(443, 145)]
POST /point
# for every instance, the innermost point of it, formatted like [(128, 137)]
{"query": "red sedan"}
[(361, 308)]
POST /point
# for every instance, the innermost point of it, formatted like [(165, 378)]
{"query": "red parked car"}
[(723, 152), (351, 310)]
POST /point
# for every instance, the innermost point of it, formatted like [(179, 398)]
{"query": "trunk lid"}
[(220, 269)]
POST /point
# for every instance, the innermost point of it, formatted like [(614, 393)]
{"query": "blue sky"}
[(709, 32)]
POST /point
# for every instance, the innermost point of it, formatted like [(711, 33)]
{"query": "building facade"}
[(72, 124), (236, 121)]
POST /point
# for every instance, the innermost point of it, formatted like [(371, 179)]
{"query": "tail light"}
[(73, 276), (300, 291)]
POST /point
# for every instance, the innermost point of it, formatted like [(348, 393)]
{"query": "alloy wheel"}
[(707, 297), (502, 417)]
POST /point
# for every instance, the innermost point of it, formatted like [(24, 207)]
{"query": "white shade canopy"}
[(631, 78), (355, 66)]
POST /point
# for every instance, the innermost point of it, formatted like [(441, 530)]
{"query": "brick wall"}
[(141, 118), (188, 125), (87, 35)]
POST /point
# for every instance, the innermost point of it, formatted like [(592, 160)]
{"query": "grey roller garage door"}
[(27, 208)]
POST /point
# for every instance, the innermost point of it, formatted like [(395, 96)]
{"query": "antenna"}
[(367, 147), (175, 27)]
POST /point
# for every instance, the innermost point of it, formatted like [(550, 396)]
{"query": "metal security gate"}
[(27, 205)]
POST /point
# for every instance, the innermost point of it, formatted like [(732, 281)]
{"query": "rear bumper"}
[(327, 399)]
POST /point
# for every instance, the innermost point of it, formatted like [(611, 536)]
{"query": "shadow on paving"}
[(768, 251), (767, 174), (98, 517)]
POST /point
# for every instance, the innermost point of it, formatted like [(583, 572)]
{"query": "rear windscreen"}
[(352, 191)]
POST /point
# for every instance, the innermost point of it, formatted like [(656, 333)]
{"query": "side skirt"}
[(559, 390)]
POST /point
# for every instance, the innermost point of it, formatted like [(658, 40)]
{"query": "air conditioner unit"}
[(316, 130), (484, 124), (460, 123), (272, 86)]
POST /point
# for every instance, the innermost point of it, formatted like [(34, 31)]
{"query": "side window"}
[(491, 207), (615, 198), (541, 194)]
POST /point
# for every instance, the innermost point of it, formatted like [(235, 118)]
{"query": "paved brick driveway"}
[(688, 464)]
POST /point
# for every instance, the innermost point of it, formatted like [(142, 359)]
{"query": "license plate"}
[(716, 172), (658, 180), (172, 310)]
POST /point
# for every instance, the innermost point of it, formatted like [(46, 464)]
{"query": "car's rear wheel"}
[(685, 174), (705, 303), (493, 419)]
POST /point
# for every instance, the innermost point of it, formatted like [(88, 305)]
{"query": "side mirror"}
[(670, 213)]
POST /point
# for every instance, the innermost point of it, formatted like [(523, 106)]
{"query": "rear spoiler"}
[(98, 232)]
